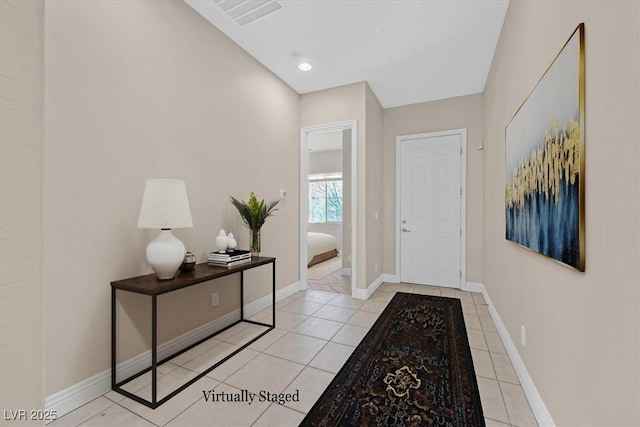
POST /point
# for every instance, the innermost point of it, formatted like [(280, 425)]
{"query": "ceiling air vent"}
[(245, 11)]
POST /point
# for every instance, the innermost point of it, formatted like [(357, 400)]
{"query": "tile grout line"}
[(452, 293), (484, 331), (294, 378)]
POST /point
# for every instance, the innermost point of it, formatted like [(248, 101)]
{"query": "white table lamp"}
[(165, 206)]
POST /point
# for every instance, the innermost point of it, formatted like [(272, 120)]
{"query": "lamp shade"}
[(165, 205)]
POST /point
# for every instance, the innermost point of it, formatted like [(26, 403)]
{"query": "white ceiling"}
[(409, 51)]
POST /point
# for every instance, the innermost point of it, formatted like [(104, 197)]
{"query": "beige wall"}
[(334, 105), (139, 89), (357, 102), (21, 153), (136, 90), (338, 105), (346, 198), (582, 328), (373, 191), (455, 113)]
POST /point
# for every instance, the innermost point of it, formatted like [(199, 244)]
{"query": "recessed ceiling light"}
[(305, 66)]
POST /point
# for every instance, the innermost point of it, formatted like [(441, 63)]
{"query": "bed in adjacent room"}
[(320, 247)]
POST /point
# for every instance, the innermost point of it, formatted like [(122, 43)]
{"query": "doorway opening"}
[(328, 207)]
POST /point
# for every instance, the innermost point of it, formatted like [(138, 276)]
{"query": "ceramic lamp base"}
[(165, 254)]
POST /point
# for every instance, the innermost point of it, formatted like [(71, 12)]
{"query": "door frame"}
[(463, 197), (305, 133)]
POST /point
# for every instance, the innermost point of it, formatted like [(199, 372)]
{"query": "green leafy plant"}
[(254, 213)]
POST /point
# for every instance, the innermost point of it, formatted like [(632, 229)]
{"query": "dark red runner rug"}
[(413, 368)]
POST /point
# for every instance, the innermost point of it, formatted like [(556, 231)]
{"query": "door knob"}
[(404, 230)]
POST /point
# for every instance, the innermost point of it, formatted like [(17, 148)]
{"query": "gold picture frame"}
[(545, 162)]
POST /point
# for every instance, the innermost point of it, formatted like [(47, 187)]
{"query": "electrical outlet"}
[(215, 299), (375, 267), (349, 258), (523, 336)]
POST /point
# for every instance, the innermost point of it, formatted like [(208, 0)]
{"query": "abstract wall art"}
[(544, 162)]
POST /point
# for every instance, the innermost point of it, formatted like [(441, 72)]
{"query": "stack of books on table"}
[(229, 258)]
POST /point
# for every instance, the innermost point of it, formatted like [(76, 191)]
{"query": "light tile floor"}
[(316, 333), (334, 282)]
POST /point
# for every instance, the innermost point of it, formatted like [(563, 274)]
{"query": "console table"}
[(151, 286)]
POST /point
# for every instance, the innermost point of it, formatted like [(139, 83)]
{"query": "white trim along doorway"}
[(305, 134), (458, 136)]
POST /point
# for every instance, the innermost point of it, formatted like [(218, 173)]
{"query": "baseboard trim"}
[(473, 287), (287, 291), (390, 278), (539, 409), (93, 387), (264, 302), (65, 401), (364, 294), (73, 397), (467, 286)]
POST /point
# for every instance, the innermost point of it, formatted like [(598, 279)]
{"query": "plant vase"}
[(253, 214), (255, 242)]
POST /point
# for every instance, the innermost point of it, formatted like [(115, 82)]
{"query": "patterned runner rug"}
[(413, 368)]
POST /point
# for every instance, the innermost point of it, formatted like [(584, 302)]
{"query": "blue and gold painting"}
[(544, 182)]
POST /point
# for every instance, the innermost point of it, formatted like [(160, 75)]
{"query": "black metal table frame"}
[(154, 403)]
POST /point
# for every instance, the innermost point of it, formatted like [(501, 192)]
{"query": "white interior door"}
[(430, 210)]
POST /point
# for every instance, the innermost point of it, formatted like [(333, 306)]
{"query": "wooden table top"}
[(149, 284)]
